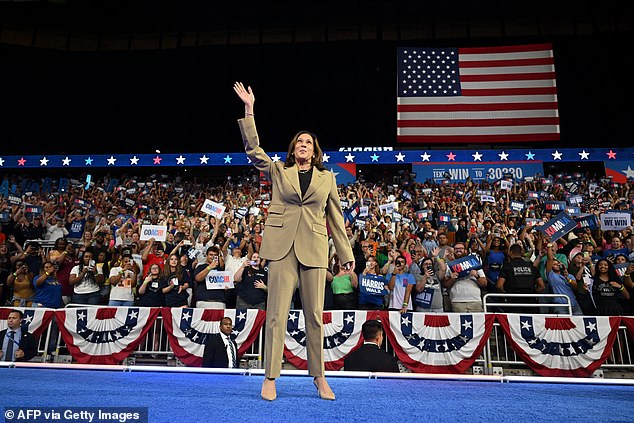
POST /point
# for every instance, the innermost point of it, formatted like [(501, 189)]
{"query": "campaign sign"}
[(363, 211), (158, 232), (213, 208), (615, 220), (359, 223), (423, 214), (517, 206), (464, 265), (621, 268), (558, 226), (476, 172), (575, 200), (14, 200), (219, 279), (444, 218), (554, 206), (423, 299), (386, 208), (373, 285), (573, 211), (589, 221)]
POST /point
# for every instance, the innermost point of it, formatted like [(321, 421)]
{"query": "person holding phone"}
[(304, 197), (86, 279), (250, 281)]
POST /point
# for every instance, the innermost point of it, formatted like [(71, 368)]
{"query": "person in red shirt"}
[(153, 253)]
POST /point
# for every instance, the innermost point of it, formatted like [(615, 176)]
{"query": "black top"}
[(245, 289), (173, 298), (154, 296), (304, 179), (519, 276), (201, 293)]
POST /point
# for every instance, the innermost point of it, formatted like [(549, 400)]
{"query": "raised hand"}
[(246, 95)]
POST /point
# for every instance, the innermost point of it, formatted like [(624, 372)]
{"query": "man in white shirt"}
[(221, 350)]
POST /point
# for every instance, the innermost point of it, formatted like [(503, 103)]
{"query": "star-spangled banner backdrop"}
[(476, 95), (346, 156)]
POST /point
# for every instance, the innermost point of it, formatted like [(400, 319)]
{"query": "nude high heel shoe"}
[(268, 390), (325, 392)]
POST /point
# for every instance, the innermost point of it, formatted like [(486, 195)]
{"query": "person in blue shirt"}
[(48, 290), (560, 282), (371, 275)]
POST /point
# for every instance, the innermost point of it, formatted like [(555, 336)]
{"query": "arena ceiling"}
[(131, 25)]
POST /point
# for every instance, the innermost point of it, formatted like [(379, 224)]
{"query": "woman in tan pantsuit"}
[(295, 242)]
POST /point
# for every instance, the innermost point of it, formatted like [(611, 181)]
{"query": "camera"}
[(253, 262)]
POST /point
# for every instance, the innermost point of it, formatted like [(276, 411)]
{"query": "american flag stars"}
[(362, 155)]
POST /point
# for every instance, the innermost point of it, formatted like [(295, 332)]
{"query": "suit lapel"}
[(317, 179), (293, 179)]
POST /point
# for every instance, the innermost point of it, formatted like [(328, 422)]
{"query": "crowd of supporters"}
[(64, 242)]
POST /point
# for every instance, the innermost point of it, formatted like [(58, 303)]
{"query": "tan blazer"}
[(293, 218)]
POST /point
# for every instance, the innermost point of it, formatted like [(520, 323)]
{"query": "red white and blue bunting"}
[(428, 343), (342, 335), (188, 329), (104, 335), (35, 320), (561, 346), (438, 343)]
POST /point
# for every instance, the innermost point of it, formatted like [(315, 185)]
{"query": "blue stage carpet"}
[(189, 397)]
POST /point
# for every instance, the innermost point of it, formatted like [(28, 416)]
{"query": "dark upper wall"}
[(113, 80)]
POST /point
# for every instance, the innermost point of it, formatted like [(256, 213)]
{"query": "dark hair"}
[(19, 313), (318, 157), (515, 250), (371, 330), (612, 275), (167, 272), (214, 249)]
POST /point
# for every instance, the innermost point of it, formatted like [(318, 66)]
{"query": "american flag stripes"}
[(477, 95)]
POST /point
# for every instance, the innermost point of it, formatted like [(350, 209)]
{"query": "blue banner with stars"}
[(619, 160)]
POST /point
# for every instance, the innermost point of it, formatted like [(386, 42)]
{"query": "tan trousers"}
[(283, 277)]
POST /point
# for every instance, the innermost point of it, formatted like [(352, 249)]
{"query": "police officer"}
[(519, 276)]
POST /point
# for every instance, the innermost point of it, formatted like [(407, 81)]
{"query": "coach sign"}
[(158, 232), (213, 208), (558, 226)]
